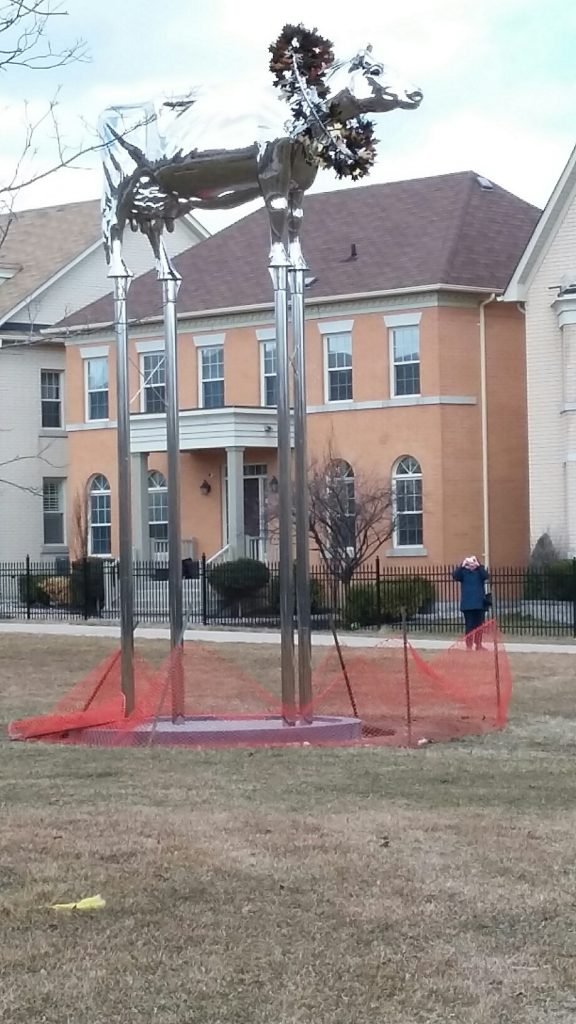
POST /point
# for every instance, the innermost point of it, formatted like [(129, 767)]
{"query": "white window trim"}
[(410, 551), (104, 554), (157, 490), (403, 320), (341, 402), (266, 334), (146, 352), (101, 355), (263, 342), (200, 377), (61, 480), (96, 352), (62, 428), (336, 327), (392, 364), (150, 346), (208, 340), (406, 549)]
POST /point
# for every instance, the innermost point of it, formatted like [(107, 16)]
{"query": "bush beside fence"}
[(539, 602)]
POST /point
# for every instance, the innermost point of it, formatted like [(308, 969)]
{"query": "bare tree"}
[(351, 514), (79, 527), (16, 460), (25, 43)]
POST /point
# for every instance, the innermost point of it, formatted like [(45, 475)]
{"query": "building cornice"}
[(452, 296)]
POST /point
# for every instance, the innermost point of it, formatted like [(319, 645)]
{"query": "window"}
[(154, 382), (212, 377), (269, 374), (53, 511), (157, 506), (51, 397), (342, 505), (339, 367), (405, 344), (99, 516), (97, 388), (407, 482)]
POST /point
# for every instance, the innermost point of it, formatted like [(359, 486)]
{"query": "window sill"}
[(417, 551), (54, 549), (405, 398), (52, 432)]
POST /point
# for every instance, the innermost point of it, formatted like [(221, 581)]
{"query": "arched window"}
[(157, 506), (99, 516), (342, 502), (407, 487)]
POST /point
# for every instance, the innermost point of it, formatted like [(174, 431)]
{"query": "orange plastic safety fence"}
[(400, 696)]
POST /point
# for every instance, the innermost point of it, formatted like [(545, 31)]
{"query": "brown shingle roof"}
[(42, 242), (445, 229)]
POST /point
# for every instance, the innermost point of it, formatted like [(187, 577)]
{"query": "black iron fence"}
[(524, 600)]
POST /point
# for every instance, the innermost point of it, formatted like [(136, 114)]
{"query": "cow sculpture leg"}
[(294, 221), (274, 180), (296, 276)]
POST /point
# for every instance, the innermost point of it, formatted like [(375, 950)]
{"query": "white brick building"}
[(545, 284), (51, 264)]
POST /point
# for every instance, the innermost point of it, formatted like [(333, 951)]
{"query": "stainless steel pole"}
[(170, 287), (296, 278), (279, 276), (121, 285)]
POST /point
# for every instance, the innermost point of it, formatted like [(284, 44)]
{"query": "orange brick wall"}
[(507, 435), (445, 439)]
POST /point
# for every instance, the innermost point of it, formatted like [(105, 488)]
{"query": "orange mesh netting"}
[(400, 696)]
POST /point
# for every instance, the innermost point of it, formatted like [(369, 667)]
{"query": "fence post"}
[(85, 584), (574, 597), (28, 586), (204, 583), (378, 598)]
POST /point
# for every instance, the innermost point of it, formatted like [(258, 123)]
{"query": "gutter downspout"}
[(484, 428)]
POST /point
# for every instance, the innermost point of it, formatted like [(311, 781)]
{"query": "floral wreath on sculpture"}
[(299, 63)]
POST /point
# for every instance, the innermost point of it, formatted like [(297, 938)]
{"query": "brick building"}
[(415, 372)]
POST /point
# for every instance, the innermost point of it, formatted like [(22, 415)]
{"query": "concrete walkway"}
[(221, 636)]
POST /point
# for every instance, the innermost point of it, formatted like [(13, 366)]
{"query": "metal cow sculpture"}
[(163, 160)]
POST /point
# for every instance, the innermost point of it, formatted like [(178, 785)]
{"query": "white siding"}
[(546, 429), (37, 453), (87, 281)]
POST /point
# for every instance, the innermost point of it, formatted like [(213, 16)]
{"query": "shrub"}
[(31, 590), (56, 589), (365, 607), (317, 596), (544, 552), (87, 586), (427, 595), (361, 608), (554, 582), (238, 581)]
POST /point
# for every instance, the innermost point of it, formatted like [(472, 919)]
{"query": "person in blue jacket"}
[(472, 576)]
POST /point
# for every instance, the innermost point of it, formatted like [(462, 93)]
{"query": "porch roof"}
[(203, 429)]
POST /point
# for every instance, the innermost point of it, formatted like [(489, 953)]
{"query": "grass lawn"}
[(305, 886)]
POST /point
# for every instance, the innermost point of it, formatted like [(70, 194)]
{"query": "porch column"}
[(236, 537), (140, 525)]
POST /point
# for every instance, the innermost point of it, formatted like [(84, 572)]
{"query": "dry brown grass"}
[(355, 886)]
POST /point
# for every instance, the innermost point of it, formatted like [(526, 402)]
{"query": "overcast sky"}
[(497, 75)]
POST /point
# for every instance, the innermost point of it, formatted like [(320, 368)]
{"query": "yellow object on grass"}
[(90, 903)]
